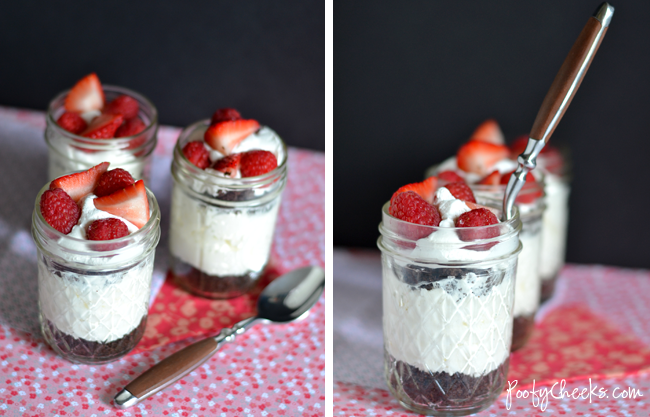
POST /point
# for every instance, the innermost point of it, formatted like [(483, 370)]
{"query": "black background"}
[(413, 79), (265, 58)]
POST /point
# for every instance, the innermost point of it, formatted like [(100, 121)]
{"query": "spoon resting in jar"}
[(286, 299)]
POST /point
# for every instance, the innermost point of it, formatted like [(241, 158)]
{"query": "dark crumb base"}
[(89, 352), (548, 288), (522, 329), (211, 286), (440, 392)]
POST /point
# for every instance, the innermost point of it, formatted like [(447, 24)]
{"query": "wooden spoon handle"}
[(571, 73)]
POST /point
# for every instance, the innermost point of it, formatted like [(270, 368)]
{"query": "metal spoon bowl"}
[(288, 298)]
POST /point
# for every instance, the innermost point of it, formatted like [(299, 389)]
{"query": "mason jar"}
[(221, 228), (447, 313), (93, 296), (531, 205), (69, 152)]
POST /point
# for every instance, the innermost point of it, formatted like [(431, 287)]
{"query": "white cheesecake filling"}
[(221, 241), (555, 221), (67, 159), (528, 284), (458, 326)]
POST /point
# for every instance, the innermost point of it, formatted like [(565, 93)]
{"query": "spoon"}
[(558, 98), (286, 299)]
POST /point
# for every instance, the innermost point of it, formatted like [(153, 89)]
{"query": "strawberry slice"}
[(492, 179), (86, 95), (489, 131), (229, 164), (479, 157), (425, 189), (103, 126), (225, 135), (129, 203), (80, 184)]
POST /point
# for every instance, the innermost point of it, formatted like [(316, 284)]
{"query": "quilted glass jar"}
[(448, 296)]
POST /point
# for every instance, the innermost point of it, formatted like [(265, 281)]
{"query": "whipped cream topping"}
[(449, 206)]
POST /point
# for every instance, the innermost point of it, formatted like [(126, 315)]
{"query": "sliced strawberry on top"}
[(229, 164), (449, 176), (86, 95), (425, 189), (492, 179), (130, 203), (225, 114), (224, 136), (72, 122), (103, 126), (80, 184), (479, 157), (125, 105), (489, 131)]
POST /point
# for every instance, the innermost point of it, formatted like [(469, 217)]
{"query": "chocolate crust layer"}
[(522, 330)]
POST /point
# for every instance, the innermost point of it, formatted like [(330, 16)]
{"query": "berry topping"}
[(59, 210), (229, 164), (86, 95), (107, 229), (518, 146), (461, 191), (125, 105), (506, 177), (489, 131), (410, 207), (112, 181), (473, 206), (254, 163), (130, 127), (129, 203), (72, 122), (224, 136), (103, 126), (225, 114), (450, 176), (475, 218), (425, 189), (479, 157), (196, 153), (530, 192), (80, 184), (493, 179)]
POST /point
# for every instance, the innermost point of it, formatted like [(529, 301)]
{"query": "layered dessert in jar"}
[(92, 123), (96, 232), (449, 271), (485, 163), (555, 165), (229, 173)]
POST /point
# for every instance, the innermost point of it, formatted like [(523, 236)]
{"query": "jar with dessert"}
[(228, 176), (96, 232), (449, 273), (91, 123)]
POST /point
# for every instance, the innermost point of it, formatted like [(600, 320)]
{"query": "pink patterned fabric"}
[(269, 370)]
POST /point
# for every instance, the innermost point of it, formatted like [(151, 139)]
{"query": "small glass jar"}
[(221, 228), (447, 313), (69, 152), (94, 295), (557, 168)]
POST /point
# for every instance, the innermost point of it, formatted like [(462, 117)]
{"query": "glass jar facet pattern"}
[(221, 228), (94, 295), (68, 152)]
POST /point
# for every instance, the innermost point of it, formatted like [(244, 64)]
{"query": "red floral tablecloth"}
[(594, 335), (270, 370)]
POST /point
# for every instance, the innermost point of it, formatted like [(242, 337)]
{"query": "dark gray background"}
[(413, 79), (265, 58)]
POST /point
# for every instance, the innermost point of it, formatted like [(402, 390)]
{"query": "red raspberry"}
[(127, 106), (59, 210), (461, 191), (112, 181), (107, 229), (72, 122), (450, 176), (225, 114), (475, 218), (228, 165), (196, 153), (131, 127), (254, 163), (410, 207)]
